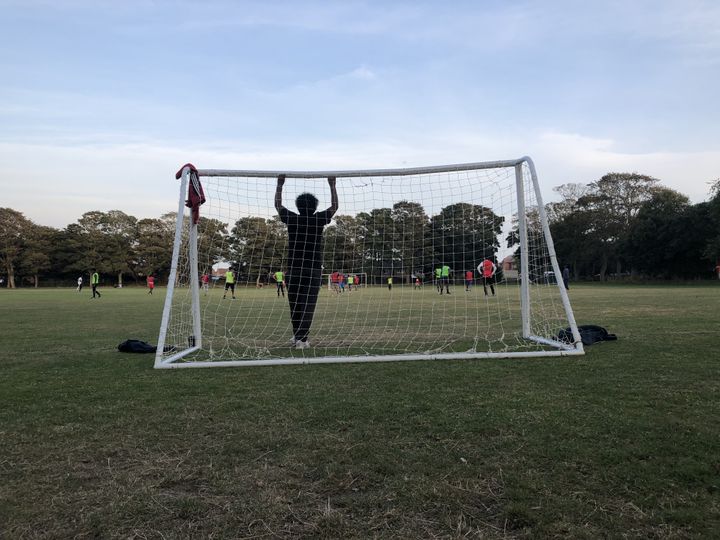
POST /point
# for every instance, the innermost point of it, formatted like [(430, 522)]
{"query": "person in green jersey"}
[(390, 283), (445, 278), (229, 283), (94, 282), (351, 282), (280, 282), (438, 271)]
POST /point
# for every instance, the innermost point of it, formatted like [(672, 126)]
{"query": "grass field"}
[(621, 443)]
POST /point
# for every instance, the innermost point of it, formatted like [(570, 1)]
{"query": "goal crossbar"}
[(362, 173)]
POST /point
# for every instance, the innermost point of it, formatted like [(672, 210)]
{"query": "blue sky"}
[(100, 102)]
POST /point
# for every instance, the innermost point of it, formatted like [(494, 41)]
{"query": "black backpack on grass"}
[(589, 334), (136, 346)]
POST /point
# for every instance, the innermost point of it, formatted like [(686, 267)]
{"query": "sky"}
[(102, 101)]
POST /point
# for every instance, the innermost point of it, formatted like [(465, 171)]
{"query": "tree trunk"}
[(11, 276), (603, 267), (120, 280), (37, 280)]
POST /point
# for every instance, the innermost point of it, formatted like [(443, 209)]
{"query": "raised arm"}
[(334, 204), (278, 192)]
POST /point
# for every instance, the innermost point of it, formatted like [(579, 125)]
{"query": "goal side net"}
[(448, 262)]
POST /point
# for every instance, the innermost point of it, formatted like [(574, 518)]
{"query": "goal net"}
[(454, 262)]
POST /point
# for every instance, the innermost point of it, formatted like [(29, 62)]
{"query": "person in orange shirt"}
[(468, 280), (487, 270)]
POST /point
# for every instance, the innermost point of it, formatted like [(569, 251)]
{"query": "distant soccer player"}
[(205, 282), (334, 279), (341, 278), (351, 282), (566, 277), (280, 283), (468, 280), (487, 270), (94, 282), (150, 284), (229, 283), (389, 282), (304, 276), (438, 271), (79, 282), (418, 284), (445, 278)]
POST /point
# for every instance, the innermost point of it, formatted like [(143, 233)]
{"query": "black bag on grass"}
[(136, 346), (589, 334)]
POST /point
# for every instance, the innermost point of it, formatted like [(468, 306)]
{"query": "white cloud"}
[(578, 158), (55, 185)]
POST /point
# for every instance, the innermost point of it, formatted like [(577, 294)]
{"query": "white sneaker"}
[(293, 342), (302, 344)]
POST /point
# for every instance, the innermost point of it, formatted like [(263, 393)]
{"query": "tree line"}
[(627, 224), (402, 240), (622, 224)]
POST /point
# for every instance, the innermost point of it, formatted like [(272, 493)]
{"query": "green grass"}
[(623, 442), (369, 321)]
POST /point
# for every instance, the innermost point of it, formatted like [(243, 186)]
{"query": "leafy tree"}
[(571, 227), (342, 250), (212, 242), (464, 234), (257, 245), (91, 239), (653, 242), (378, 249), (73, 251), (153, 251), (712, 247), (611, 205), (14, 229), (35, 257), (119, 232), (412, 230)]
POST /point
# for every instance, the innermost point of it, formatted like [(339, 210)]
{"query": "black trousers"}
[(303, 290), (95, 291), (488, 281), (280, 288)]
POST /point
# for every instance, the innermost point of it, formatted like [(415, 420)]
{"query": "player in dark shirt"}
[(305, 249)]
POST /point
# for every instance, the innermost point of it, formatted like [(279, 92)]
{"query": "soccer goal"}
[(396, 228)]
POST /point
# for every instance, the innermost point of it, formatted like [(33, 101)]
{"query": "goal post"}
[(393, 226)]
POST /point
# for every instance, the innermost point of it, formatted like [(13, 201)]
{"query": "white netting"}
[(400, 227)]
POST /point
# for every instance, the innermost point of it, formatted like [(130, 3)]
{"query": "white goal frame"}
[(558, 348)]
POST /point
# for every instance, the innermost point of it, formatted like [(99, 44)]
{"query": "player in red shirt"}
[(334, 281), (487, 270), (150, 284), (206, 282), (468, 280)]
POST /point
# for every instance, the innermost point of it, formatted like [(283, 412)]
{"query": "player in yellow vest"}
[(280, 282), (94, 282), (445, 278), (229, 283), (438, 271)]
